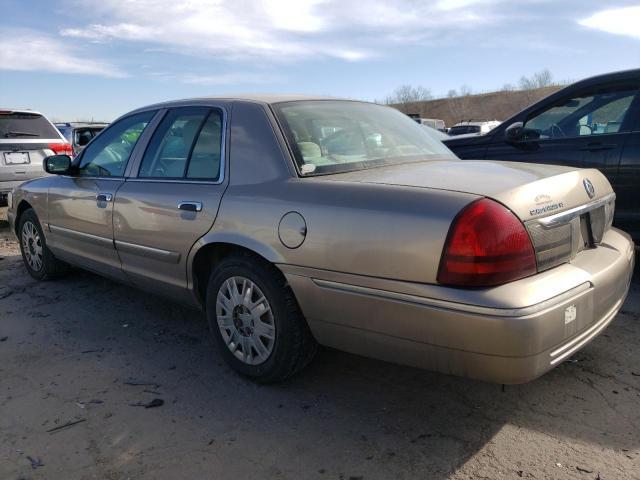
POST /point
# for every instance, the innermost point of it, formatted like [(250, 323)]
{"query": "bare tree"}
[(459, 104), (540, 79), (407, 94)]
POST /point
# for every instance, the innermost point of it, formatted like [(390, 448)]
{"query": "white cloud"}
[(229, 79), (621, 21), (29, 50), (279, 30)]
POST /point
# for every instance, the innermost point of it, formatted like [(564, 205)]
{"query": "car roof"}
[(81, 124), (478, 124), (13, 110), (612, 76), (261, 98)]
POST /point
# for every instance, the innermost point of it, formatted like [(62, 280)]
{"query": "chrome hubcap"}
[(32, 246), (245, 320)]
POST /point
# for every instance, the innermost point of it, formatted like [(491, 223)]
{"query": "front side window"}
[(109, 154), (589, 114), (333, 136), (187, 144)]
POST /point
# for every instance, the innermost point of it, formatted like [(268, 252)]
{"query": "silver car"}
[(26, 138), (294, 221)]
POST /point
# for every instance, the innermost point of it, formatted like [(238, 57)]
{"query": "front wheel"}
[(256, 321), (39, 260)]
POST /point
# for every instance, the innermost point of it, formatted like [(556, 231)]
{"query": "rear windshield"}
[(26, 125), (66, 132), (329, 136), (462, 129)]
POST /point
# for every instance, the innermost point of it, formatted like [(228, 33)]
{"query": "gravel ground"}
[(85, 349)]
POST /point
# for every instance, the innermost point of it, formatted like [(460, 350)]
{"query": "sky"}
[(86, 59)]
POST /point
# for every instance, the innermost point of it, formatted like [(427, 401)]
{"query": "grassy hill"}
[(487, 106)]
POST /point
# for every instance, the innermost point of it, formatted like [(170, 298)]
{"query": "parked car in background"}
[(434, 123), (594, 123), (26, 138), (79, 134), (437, 134), (472, 128), (299, 220)]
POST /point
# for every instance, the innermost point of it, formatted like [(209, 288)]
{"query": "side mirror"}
[(516, 132), (57, 164), (83, 140)]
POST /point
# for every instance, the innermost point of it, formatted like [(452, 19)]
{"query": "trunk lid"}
[(564, 209)]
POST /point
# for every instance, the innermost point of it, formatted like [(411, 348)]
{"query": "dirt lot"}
[(86, 350)]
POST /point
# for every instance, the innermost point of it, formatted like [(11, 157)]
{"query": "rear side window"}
[(67, 132), (26, 125), (187, 144)]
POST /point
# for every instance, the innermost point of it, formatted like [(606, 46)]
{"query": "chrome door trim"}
[(104, 197), (86, 237), (172, 180), (155, 253), (196, 206)]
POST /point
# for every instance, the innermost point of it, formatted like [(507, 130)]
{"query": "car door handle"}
[(104, 197), (190, 206), (594, 147)]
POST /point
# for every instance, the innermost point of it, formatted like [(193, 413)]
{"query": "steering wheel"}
[(554, 127)]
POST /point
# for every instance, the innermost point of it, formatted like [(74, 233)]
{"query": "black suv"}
[(79, 134), (594, 123)]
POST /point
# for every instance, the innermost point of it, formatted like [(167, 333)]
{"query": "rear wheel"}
[(256, 321), (39, 260)]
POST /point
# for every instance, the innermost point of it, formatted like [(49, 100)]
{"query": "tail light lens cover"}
[(61, 148), (487, 245)]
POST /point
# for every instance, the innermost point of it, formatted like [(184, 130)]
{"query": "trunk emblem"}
[(588, 186)]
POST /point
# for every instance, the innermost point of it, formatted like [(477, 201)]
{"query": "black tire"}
[(49, 266), (294, 345)]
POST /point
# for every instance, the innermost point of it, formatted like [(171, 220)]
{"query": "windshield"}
[(464, 129), (339, 136), (26, 125)]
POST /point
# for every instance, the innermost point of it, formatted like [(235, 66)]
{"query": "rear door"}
[(171, 198), (25, 140), (81, 206)]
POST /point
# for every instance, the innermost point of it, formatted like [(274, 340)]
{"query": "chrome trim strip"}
[(105, 242), (459, 307), (172, 180), (149, 252), (568, 215), (585, 337)]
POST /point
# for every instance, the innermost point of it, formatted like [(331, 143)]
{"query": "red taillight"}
[(61, 148), (487, 245)]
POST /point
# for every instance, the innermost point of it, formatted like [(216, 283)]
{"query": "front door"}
[(160, 212), (584, 130), (80, 220)]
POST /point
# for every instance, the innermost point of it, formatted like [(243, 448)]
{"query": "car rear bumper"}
[(507, 334)]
